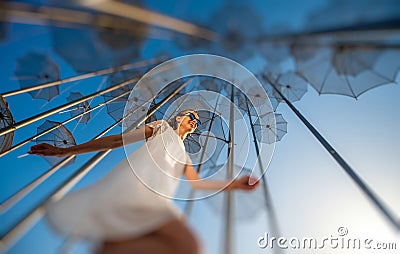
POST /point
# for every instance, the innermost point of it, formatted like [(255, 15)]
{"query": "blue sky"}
[(311, 194)]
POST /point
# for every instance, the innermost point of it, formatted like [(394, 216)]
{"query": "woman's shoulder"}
[(159, 126)]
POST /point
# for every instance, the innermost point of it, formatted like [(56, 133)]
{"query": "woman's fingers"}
[(43, 149), (40, 147), (248, 183)]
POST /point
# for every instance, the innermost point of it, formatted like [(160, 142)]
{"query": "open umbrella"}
[(273, 131), (291, 86), (349, 70), (351, 13), (231, 22), (6, 119), (80, 108), (37, 68), (90, 48), (116, 108), (119, 39), (60, 137)]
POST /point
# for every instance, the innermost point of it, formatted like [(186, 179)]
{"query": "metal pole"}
[(189, 205), (30, 13), (137, 13), (50, 112), (363, 186), (267, 197), (83, 76), (229, 194), (10, 201), (63, 123), (16, 231)]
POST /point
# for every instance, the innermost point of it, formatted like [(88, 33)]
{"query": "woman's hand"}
[(48, 150), (242, 183)]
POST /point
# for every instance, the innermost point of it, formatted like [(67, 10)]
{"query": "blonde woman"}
[(122, 211)]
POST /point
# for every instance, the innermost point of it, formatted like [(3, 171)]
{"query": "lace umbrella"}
[(291, 86), (273, 131), (351, 13), (231, 22), (37, 68), (90, 48), (349, 70), (80, 108), (115, 109), (60, 137), (6, 119)]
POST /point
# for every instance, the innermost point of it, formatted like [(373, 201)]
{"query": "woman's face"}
[(187, 124)]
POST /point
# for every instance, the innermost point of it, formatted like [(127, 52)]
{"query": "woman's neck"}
[(181, 133)]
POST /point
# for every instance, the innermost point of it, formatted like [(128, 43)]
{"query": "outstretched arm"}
[(237, 184), (99, 144)]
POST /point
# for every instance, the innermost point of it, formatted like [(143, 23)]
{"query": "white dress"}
[(127, 203)]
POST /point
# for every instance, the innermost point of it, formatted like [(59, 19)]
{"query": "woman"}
[(127, 212)]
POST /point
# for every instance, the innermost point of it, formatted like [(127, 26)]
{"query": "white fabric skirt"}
[(119, 206)]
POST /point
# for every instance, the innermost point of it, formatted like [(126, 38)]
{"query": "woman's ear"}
[(178, 119)]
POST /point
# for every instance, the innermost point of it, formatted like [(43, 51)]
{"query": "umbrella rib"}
[(346, 77), (373, 70), (328, 72)]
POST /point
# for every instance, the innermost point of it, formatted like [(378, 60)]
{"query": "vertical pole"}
[(231, 165), (267, 197), (189, 204)]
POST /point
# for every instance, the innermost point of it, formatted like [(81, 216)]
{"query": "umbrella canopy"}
[(352, 13), (120, 39), (37, 68), (273, 131), (80, 108), (349, 70), (231, 22), (353, 60), (211, 84), (291, 86), (60, 137), (6, 119), (94, 47), (115, 109), (89, 49)]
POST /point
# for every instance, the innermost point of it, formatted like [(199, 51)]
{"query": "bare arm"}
[(239, 184), (100, 144)]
